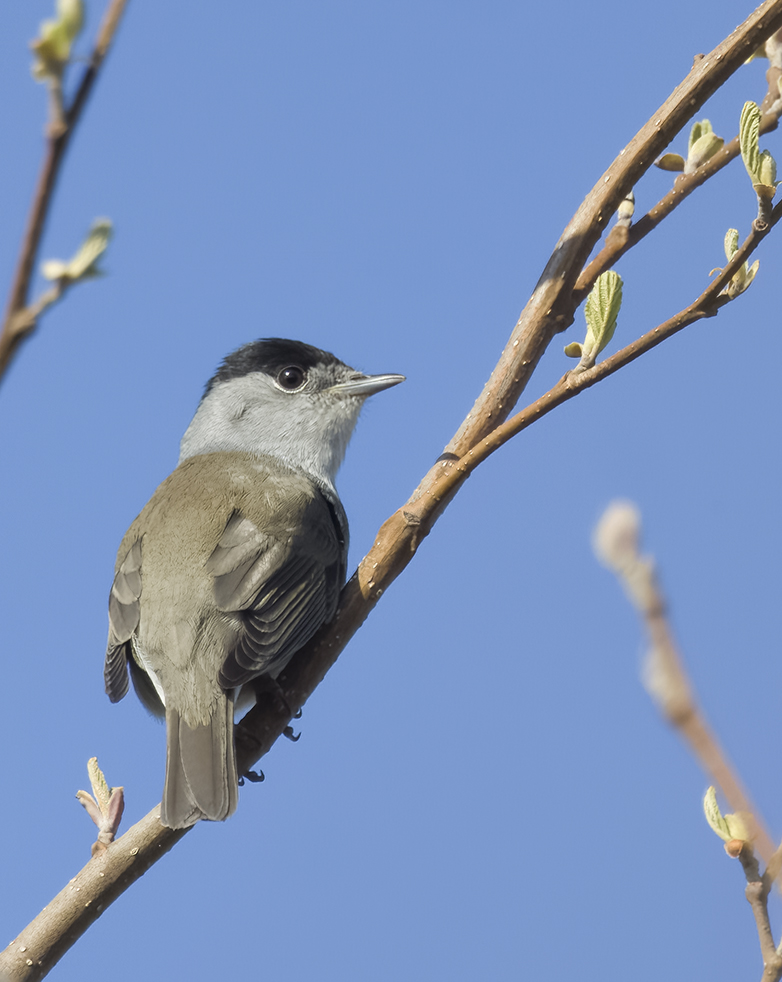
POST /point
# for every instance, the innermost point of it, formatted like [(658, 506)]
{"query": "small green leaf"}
[(761, 167), (71, 16), (53, 48), (83, 264), (697, 131), (742, 279), (749, 134), (767, 169), (731, 243), (743, 276), (702, 150), (601, 311), (734, 830), (714, 816)]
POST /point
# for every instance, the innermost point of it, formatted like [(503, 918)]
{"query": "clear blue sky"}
[(482, 789)]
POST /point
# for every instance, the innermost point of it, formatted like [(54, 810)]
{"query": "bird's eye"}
[(292, 377)]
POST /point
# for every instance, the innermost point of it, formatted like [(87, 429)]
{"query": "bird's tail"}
[(201, 780)]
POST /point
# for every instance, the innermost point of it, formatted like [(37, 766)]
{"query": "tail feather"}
[(201, 779)]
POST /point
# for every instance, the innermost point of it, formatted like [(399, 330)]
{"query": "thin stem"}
[(617, 245), (549, 311), (18, 323), (34, 952), (551, 307), (707, 304), (756, 892)]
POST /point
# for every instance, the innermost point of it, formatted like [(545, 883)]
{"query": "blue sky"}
[(482, 789)]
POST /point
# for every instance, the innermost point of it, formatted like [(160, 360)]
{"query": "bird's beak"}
[(366, 385)]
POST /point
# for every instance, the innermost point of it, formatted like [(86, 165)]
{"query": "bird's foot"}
[(254, 777)]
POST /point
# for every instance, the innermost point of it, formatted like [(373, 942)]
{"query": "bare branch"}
[(756, 892), (617, 545), (549, 311), (20, 320), (62, 922), (394, 547)]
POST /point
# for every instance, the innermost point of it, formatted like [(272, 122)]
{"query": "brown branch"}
[(621, 240), (672, 691), (707, 304), (129, 857), (617, 545), (549, 311), (62, 922), (757, 897), (20, 320), (757, 891), (551, 307)]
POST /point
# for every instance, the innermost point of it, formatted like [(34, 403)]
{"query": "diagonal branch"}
[(20, 320), (549, 311), (708, 304), (616, 543), (30, 956), (620, 239), (551, 307)]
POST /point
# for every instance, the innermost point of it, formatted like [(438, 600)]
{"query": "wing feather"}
[(283, 586), (124, 614)]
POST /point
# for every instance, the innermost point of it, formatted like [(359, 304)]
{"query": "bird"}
[(236, 560)]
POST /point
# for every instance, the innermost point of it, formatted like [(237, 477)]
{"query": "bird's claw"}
[(288, 732), (254, 777)]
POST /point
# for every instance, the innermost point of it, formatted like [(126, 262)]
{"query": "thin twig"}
[(619, 240), (394, 547), (757, 897), (570, 385), (549, 311), (757, 891), (20, 320), (672, 691), (617, 545), (551, 307)]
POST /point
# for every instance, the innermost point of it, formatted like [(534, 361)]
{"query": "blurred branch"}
[(549, 311), (616, 543), (20, 317)]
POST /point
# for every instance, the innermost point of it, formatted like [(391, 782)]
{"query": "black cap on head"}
[(270, 355)]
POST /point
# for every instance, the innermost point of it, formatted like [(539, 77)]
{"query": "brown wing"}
[(124, 613), (283, 587)]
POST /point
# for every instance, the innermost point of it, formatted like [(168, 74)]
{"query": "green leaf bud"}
[(670, 161), (83, 264), (53, 48)]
